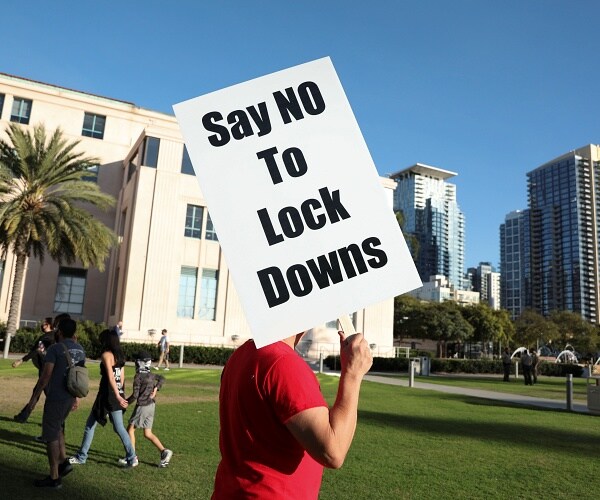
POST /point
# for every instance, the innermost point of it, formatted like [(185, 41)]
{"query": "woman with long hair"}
[(110, 401)]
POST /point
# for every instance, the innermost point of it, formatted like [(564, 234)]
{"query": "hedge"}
[(88, 335), (451, 365)]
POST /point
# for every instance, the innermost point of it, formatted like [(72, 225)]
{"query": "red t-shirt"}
[(261, 389)]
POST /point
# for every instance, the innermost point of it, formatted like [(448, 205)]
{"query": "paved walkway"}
[(556, 404)]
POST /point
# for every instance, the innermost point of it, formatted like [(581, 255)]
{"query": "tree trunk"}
[(15, 301)]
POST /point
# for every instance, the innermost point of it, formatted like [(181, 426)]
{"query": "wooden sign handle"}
[(345, 324)]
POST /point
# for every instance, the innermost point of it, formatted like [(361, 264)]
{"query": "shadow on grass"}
[(579, 442)]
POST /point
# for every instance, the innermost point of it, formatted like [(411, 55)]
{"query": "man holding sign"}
[(316, 239), (277, 432)]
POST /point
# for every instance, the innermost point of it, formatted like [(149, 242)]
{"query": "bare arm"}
[(109, 360), (326, 434), (29, 355)]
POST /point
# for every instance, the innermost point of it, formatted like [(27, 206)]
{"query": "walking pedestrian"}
[(506, 364), (59, 401), (145, 387), (163, 346), (535, 364), (37, 355), (110, 401), (526, 362)]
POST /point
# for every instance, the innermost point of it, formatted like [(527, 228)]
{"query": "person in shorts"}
[(145, 386), (163, 346), (59, 402)]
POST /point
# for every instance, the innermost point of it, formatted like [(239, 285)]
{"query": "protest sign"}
[(293, 193)]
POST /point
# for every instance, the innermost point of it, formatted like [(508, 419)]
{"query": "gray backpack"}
[(78, 381)]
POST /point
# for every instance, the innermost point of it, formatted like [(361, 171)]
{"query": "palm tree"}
[(42, 188)]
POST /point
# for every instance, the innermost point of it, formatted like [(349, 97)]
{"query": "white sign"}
[(299, 208)]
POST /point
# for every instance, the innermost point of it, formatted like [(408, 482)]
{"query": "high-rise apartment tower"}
[(564, 203), (433, 218)]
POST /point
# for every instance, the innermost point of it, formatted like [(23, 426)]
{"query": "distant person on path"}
[(145, 387), (276, 430), (526, 361), (119, 328), (535, 364), (59, 402), (506, 364), (110, 401), (163, 346), (37, 355)]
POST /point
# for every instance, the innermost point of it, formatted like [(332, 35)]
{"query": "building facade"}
[(168, 270), (432, 216), (564, 205), (515, 271), (486, 281), (439, 289)]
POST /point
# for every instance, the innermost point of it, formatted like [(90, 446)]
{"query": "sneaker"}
[(123, 462), (155, 367), (65, 468), (167, 369), (75, 460), (40, 439), (48, 482), (165, 457), (20, 419)]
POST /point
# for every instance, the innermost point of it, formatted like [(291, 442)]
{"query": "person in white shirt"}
[(163, 345)]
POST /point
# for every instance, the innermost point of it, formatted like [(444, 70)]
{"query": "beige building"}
[(439, 289), (167, 270)]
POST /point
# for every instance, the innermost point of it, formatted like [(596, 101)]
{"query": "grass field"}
[(410, 444)]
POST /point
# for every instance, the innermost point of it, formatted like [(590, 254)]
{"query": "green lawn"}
[(410, 444)]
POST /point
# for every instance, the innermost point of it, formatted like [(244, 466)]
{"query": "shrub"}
[(559, 369), (452, 365), (88, 335), (24, 339), (198, 355)]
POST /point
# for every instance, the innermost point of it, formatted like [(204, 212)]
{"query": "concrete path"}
[(556, 404)]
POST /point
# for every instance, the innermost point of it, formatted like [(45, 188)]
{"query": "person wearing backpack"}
[(59, 401)]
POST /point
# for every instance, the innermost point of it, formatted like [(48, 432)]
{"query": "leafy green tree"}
[(443, 323), (507, 327), (42, 206), (489, 325), (486, 326), (531, 328), (406, 315), (573, 329)]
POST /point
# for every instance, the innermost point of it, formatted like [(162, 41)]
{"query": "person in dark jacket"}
[(37, 355), (506, 364), (145, 387)]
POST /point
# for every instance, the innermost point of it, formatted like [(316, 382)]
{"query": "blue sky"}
[(487, 89)]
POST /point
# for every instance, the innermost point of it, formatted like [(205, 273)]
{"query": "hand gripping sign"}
[(302, 218)]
